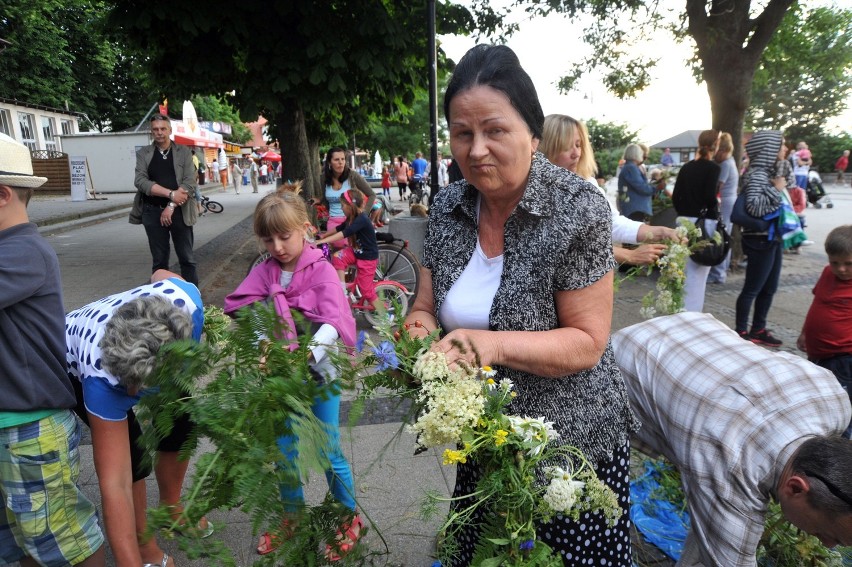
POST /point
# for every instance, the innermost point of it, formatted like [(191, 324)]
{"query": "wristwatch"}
[(171, 205)]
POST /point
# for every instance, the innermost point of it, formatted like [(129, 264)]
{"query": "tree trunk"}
[(315, 169), (297, 161), (730, 44)]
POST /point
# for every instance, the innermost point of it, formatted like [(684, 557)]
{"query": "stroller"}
[(417, 185), (816, 192)]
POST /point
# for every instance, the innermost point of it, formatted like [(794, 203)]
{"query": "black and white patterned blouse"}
[(559, 237)]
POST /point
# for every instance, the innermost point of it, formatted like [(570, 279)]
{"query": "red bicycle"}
[(390, 292)]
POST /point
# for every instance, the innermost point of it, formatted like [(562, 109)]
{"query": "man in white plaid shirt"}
[(742, 424)]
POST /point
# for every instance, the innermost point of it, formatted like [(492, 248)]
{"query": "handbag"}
[(713, 249), (740, 216), (789, 226)]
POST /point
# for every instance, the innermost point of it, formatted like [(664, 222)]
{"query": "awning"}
[(182, 134)]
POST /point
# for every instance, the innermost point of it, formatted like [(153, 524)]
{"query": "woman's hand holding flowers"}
[(469, 347)]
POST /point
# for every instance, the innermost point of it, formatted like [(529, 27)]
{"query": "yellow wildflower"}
[(500, 437), (452, 457)]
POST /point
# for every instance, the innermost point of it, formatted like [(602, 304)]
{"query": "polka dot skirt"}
[(590, 541)]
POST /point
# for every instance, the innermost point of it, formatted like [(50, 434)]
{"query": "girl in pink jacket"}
[(297, 276)]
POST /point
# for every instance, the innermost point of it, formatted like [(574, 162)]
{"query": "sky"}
[(674, 102)]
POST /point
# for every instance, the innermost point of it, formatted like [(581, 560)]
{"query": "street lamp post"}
[(433, 100)]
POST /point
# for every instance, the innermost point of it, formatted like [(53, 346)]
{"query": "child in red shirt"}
[(386, 182), (841, 164), (827, 333)]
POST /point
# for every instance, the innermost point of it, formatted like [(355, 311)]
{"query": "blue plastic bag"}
[(661, 523)]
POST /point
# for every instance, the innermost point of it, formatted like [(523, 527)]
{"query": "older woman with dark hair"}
[(112, 347), (518, 267), (634, 191), (338, 178)]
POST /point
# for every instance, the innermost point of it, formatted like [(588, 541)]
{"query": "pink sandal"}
[(346, 539), (269, 542)]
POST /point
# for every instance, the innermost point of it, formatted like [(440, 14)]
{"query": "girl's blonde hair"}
[(726, 143), (290, 187), (280, 213), (558, 132)]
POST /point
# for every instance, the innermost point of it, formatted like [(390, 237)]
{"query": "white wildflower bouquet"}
[(667, 298), (526, 478)]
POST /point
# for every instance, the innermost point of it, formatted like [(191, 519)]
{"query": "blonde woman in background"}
[(565, 142)]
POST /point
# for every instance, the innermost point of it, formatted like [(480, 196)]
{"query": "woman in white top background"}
[(565, 142)]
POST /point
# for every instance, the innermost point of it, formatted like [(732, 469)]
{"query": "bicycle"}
[(389, 292), (398, 263), (211, 206)]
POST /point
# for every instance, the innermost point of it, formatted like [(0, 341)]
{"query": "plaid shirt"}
[(729, 414)]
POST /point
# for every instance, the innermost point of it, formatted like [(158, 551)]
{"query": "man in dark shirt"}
[(166, 180)]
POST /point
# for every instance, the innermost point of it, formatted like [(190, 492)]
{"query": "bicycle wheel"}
[(258, 260), (398, 264), (390, 296), (214, 207)]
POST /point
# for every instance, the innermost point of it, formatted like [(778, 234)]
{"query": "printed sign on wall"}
[(79, 177)]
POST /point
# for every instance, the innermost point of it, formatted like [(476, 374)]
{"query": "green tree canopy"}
[(406, 135), (325, 65), (36, 67), (61, 54), (610, 135), (805, 74), (729, 37)]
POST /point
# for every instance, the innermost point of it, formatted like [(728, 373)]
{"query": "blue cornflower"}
[(362, 338), (386, 356), (527, 545)]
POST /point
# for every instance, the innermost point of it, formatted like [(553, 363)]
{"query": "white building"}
[(37, 127), (111, 156)]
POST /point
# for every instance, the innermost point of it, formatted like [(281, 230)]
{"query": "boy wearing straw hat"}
[(46, 520)]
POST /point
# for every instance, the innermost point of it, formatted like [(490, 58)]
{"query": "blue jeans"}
[(339, 475), (761, 282), (158, 241)]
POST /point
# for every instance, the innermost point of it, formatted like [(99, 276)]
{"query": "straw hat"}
[(16, 165)]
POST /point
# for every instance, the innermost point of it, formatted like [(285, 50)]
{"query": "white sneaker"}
[(807, 243)]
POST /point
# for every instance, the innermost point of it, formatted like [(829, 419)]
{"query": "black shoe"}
[(764, 337), (743, 335)]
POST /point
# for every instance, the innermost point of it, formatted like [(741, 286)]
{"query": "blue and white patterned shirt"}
[(103, 396)]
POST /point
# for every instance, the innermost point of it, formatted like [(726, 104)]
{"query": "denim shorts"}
[(45, 514)]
